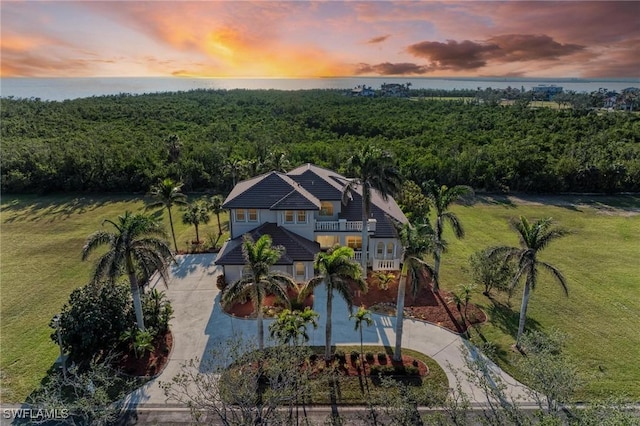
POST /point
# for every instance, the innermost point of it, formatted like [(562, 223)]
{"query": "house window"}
[(288, 216), (253, 215), (380, 250), (326, 208), (327, 241), (300, 270), (302, 216), (240, 217), (390, 249), (355, 242)]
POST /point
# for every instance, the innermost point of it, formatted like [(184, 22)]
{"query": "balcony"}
[(379, 264), (344, 225)]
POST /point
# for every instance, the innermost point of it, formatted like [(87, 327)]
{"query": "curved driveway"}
[(199, 324)]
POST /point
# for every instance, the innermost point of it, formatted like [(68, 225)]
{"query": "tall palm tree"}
[(337, 270), (167, 193), (417, 242), (441, 197), (260, 280), (534, 237), (374, 170), (138, 243), (197, 213), (215, 206)]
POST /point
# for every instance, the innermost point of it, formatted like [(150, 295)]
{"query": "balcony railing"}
[(345, 225), (386, 264)]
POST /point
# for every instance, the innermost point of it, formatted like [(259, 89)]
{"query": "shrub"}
[(369, 357), (93, 320), (354, 355), (382, 357), (340, 355), (157, 311), (394, 370), (221, 282)]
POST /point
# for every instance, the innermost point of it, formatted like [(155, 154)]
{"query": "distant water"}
[(59, 89)]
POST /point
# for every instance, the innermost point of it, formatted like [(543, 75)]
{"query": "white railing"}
[(344, 225), (386, 264), (357, 255)]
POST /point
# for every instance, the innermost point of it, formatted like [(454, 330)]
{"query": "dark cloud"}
[(470, 55), (377, 40), (387, 68), (526, 47), (452, 55)]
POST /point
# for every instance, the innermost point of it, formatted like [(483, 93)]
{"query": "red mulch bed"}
[(351, 368), (245, 310), (152, 363), (428, 306)]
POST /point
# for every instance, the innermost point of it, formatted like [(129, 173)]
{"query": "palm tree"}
[(137, 243), (196, 213), (417, 242), (375, 170), (167, 193), (441, 197), (259, 280), (215, 206), (534, 237), (363, 316), (233, 168), (337, 270), (290, 328), (174, 148)]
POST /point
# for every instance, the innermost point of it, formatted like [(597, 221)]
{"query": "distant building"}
[(394, 89), (367, 92), (543, 91)]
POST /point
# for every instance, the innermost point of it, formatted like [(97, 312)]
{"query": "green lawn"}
[(600, 261), (41, 239)]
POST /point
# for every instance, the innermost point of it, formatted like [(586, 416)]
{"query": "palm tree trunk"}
[(173, 233), (219, 224), (197, 234), (402, 285), (327, 349), (523, 312), (437, 254), (365, 243), (135, 294), (260, 327)]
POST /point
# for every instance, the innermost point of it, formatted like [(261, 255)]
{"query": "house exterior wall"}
[(239, 228), (233, 273), (303, 228)]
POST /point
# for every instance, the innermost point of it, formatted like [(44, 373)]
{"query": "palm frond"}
[(558, 275)]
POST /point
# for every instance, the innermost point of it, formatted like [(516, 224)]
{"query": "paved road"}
[(199, 324)]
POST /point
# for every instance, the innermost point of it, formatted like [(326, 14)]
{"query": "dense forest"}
[(211, 139)]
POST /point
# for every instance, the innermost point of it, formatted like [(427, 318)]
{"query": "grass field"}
[(41, 239)]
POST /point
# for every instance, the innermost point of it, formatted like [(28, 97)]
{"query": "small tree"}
[(230, 388), (491, 272), (196, 213), (462, 299), (87, 396), (362, 317), (290, 328), (168, 193), (93, 320)]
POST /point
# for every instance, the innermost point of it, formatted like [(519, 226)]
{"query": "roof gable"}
[(269, 190), (297, 248)]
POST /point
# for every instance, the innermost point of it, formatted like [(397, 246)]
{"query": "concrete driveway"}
[(199, 324)]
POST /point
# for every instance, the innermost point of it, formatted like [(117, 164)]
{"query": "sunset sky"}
[(583, 39)]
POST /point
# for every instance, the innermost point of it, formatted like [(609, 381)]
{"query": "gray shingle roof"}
[(297, 248), (269, 190)]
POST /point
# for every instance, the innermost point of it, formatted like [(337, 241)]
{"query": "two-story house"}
[(302, 211)]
